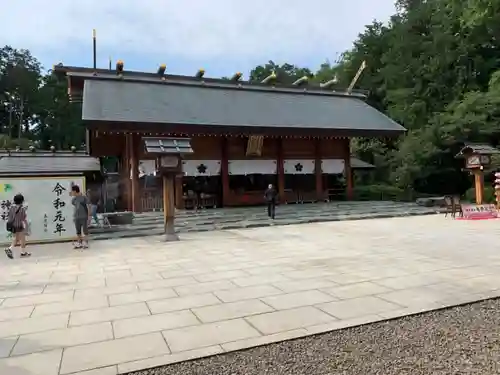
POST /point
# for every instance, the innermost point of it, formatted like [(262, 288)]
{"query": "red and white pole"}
[(497, 188)]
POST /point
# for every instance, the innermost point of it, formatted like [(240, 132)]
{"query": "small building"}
[(45, 179), (244, 135), (46, 163)]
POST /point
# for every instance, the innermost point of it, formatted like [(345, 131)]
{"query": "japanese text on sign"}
[(58, 203)]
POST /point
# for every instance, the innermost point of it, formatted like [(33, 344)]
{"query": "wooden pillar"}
[(169, 207), (126, 175), (134, 167), (280, 170), (179, 202), (348, 171), (224, 171), (320, 194), (479, 185)]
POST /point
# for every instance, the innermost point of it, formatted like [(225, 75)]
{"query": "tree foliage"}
[(434, 68), (34, 106)]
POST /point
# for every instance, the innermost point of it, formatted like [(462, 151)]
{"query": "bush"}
[(488, 195), (382, 193)]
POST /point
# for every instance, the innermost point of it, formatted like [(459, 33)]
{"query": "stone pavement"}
[(136, 303), (149, 223)]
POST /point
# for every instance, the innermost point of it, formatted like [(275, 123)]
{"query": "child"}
[(81, 216), (17, 224)]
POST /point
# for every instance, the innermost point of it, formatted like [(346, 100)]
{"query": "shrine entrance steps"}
[(151, 223)]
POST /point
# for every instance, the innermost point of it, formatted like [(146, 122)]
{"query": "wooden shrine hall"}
[(244, 135)]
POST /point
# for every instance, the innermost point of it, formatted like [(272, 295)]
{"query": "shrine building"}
[(244, 135)]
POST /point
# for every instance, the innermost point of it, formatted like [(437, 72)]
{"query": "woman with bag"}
[(17, 224)]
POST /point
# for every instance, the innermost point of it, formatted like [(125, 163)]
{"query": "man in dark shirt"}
[(81, 216), (198, 188), (270, 196)]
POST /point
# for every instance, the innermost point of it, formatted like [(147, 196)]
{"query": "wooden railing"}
[(151, 202)]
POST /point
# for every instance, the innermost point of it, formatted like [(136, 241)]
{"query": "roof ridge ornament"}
[(236, 77), (301, 81), (200, 73), (271, 78), (161, 71), (119, 68), (356, 77), (330, 83)]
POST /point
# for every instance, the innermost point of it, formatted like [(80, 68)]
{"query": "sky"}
[(221, 36)]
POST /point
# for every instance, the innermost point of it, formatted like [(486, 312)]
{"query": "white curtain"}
[(201, 167), (145, 168), (333, 166), (246, 167), (298, 166)]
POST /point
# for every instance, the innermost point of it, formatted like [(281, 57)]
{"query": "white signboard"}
[(333, 166), (298, 166), (48, 203), (257, 166), (201, 167)]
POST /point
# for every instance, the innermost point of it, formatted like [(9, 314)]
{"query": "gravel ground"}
[(460, 340)]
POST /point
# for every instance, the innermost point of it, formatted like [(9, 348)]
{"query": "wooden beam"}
[(134, 167), (320, 194), (179, 202), (127, 173), (348, 171), (169, 207), (479, 185), (280, 170), (224, 172)]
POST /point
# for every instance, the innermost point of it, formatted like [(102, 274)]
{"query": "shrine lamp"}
[(200, 73), (168, 153), (236, 77), (119, 67)]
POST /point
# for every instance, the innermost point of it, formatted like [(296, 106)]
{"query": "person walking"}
[(198, 189), (81, 217), (17, 224), (270, 196)]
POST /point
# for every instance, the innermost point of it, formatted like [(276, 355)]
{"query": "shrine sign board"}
[(48, 203), (479, 211)]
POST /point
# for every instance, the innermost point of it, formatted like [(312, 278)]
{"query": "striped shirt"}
[(17, 217)]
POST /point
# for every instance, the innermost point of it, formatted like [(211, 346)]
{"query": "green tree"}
[(285, 74), (20, 78), (60, 122)]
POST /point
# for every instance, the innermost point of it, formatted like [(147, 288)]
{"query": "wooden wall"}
[(297, 148), (333, 148), (211, 147), (107, 144), (236, 148)]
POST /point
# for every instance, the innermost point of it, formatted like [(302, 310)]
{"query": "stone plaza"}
[(135, 303)]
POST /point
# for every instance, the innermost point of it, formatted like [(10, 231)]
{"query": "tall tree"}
[(20, 78), (60, 122), (286, 73)]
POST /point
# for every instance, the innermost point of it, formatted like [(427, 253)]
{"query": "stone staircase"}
[(151, 223)]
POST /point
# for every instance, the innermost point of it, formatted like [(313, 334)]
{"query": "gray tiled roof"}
[(478, 149), (168, 145), (360, 164), (122, 101), (47, 163)]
